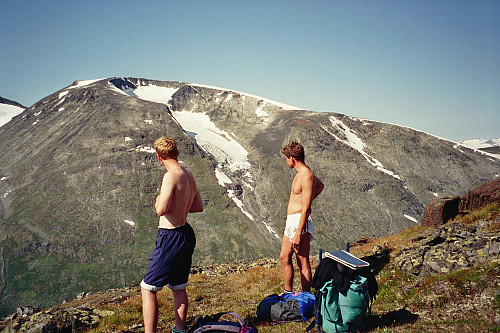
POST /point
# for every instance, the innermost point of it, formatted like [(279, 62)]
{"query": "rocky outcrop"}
[(440, 211), (450, 248), (481, 196), (60, 320), (73, 316), (445, 209)]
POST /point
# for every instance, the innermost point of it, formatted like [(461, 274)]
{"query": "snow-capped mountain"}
[(8, 110), (491, 146), (78, 178), (481, 143)]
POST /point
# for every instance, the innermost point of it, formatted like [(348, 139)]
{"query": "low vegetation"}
[(454, 302)]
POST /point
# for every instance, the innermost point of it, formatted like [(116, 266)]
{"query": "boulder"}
[(440, 211), (481, 196)]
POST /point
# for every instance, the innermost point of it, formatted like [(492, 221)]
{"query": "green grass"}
[(242, 292)]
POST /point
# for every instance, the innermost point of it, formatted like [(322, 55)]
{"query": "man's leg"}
[(287, 263), (149, 310), (303, 261), (181, 308)]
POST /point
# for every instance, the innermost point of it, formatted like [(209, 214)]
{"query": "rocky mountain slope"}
[(78, 179)]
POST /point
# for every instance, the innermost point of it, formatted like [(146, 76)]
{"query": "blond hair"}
[(295, 150), (166, 148)]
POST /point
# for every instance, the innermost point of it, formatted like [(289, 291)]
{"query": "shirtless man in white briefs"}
[(299, 230)]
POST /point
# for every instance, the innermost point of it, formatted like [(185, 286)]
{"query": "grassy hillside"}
[(464, 301)]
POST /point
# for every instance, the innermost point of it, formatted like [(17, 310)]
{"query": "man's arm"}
[(164, 199), (197, 204), (318, 187)]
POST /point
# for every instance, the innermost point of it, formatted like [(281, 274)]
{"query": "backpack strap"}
[(318, 319), (210, 323), (218, 328), (234, 315)]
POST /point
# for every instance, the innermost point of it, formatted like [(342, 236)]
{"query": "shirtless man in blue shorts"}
[(299, 230), (170, 260)]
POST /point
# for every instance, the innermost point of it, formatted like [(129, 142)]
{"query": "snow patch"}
[(7, 112), (239, 203), (83, 83), (411, 218), (145, 149), (150, 92), (222, 177), (154, 93), (261, 113), (352, 140), (227, 151), (271, 230)]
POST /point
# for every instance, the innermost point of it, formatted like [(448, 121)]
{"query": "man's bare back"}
[(171, 258), (177, 194)]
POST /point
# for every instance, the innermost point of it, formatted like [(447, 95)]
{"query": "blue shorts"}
[(171, 259)]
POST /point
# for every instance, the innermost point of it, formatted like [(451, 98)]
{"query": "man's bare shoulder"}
[(305, 175), (173, 175)]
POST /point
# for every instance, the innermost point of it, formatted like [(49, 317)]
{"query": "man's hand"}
[(295, 241)]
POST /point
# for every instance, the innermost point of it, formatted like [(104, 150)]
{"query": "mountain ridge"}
[(79, 178)]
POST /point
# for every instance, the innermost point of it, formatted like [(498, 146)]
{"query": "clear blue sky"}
[(430, 65)]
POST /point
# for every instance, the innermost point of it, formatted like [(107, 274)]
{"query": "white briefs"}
[(292, 223)]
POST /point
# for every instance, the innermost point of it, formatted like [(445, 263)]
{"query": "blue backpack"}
[(306, 302), (336, 312), (286, 307)]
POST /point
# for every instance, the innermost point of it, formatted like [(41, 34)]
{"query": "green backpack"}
[(343, 312)]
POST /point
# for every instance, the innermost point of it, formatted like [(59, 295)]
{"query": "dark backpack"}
[(213, 324)]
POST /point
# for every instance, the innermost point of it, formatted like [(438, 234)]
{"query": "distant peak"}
[(10, 102)]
